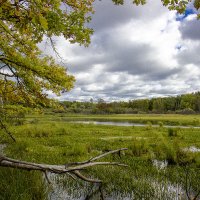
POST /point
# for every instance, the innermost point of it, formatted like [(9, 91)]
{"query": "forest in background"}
[(181, 104)]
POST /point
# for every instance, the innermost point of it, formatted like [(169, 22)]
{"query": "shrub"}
[(185, 111)]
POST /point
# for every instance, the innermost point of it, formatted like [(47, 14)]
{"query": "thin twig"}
[(3, 126), (47, 178), (81, 176)]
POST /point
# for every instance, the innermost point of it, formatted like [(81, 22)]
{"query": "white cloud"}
[(135, 52)]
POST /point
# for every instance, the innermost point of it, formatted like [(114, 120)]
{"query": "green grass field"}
[(52, 139)]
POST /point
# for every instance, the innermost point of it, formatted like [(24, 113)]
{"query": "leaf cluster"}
[(178, 5), (24, 24)]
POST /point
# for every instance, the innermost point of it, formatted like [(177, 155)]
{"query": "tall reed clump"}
[(22, 185), (138, 147)]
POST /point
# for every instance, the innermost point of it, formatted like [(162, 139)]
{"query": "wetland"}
[(163, 162)]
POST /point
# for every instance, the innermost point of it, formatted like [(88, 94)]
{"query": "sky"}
[(135, 52)]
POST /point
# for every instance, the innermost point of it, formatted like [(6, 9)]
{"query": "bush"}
[(185, 111)]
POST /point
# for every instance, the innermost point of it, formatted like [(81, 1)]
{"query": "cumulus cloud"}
[(135, 52), (190, 28)]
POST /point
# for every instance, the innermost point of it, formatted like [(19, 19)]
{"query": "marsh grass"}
[(165, 119), (49, 140), (21, 185)]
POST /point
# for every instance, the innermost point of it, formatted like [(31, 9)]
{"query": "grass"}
[(51, 139), (166, 119), (21, 185)]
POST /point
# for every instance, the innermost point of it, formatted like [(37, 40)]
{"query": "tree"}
[(26, 74), (158, 105)]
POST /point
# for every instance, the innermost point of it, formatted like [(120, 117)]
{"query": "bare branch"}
[(81, 176), (54, 48), (107, 153), (72, 176), (3, 126), (3, 66), (59, 169), (47, 178), (97, 157)]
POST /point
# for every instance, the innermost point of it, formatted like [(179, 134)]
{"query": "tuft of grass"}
[(172, 132)]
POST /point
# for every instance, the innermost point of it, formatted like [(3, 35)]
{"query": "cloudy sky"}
[(135, 52)]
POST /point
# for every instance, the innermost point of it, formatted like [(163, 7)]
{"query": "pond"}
[(111, 123)]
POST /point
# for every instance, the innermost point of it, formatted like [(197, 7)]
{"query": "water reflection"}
[(111, 123), (160, 164), (192, 149), (163, 190)]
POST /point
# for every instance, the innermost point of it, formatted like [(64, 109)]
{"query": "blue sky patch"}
[(181, 17)]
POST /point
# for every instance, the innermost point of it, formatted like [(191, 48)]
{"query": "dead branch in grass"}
[(70, 169)]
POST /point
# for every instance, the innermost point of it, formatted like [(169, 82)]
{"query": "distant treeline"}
[(182, 104)]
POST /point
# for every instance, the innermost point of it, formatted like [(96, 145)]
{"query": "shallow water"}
[(160, 164), (111, 123), (163, 190), (192, 149)]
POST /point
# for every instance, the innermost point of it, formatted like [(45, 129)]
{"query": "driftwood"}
[(72, 169)]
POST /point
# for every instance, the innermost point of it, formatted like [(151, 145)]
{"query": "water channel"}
[(111, 123)]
